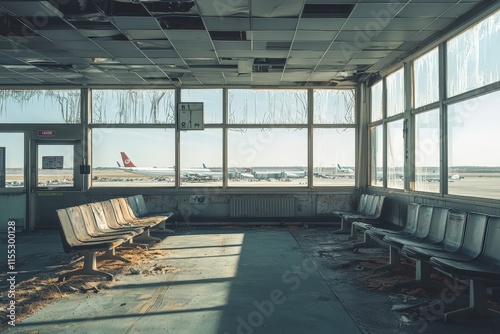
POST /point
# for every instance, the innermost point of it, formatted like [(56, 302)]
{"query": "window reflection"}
[(133, 106), (267, 106), (40, 106)]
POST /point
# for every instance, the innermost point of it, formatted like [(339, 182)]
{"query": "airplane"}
[(244, 175), (188, 173), (344, 169), (299, 174)]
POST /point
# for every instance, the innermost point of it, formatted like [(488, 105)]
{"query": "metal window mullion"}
[(310, 138), (86, 143), (225, 167), (384, 133), (409, 133), (177, 142), (443, 120)]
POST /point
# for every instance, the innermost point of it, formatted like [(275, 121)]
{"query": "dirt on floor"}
[(43, 287)]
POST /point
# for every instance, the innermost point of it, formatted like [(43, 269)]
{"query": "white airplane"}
[(244, 175), (298, 174), (204, 172), (344, 169)]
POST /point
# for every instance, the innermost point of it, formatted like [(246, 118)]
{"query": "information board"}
[(52, 162), (190, 116), (2, 167)]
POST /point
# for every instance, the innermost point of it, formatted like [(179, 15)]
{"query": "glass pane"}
[(376, 102), (201, 158), (395, 155), (262, 157), (395, 93), (40, 106), (133, 106), (427, 175), (472, 57), (334, 106), (334, 157), (377, 156), (13, 146), (473, 146), (133, 157), (55, 165), (247, 106), (426, 78), (212, 102)]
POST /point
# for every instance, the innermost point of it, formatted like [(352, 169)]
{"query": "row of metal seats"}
[(369, 209), (463, 245), (102, 227)]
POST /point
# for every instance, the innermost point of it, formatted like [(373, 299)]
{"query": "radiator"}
[(262, 206)]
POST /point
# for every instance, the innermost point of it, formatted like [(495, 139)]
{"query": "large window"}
[(334, 157), (472, 57), (395, 93), (133, 106), (395, 155), (427, 143), (473, 146), (376, 102), (40, 106), (248, 106), (12, 149), (334, 106), (212, 102), (267, 157), (201, 157), (377, 156), (133, 157), (426, 78)]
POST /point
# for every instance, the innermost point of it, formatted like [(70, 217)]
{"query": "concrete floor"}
[(228, 281), (234, 281)]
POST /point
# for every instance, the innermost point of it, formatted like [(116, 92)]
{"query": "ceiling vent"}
[(318, 10)]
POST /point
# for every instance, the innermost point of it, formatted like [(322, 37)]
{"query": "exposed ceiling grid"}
[(214, 43)]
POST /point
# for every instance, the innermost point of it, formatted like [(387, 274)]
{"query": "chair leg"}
[(89, 268), (367, 242), (478, 303), (146, 238), (354, 233), (111, 255), (422, 277), (394, 260), (345, 227)]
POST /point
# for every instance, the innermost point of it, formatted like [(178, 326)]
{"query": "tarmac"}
[(226, 280)]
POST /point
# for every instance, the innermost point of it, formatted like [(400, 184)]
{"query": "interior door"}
[(55, 181)]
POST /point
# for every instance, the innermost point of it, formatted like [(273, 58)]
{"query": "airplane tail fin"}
[(126, 160), (118, 164), (338, 166), (204, 166)]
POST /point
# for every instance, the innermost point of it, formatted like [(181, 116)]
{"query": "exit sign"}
[(46, 133)]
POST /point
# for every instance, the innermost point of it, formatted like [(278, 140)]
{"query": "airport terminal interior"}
[(250, 166)]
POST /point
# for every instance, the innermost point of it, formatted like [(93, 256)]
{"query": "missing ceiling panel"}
[(228, 35), (188, 22), (314, 10), (169, 7), (278, 45), (121, 8), (265, 65)]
